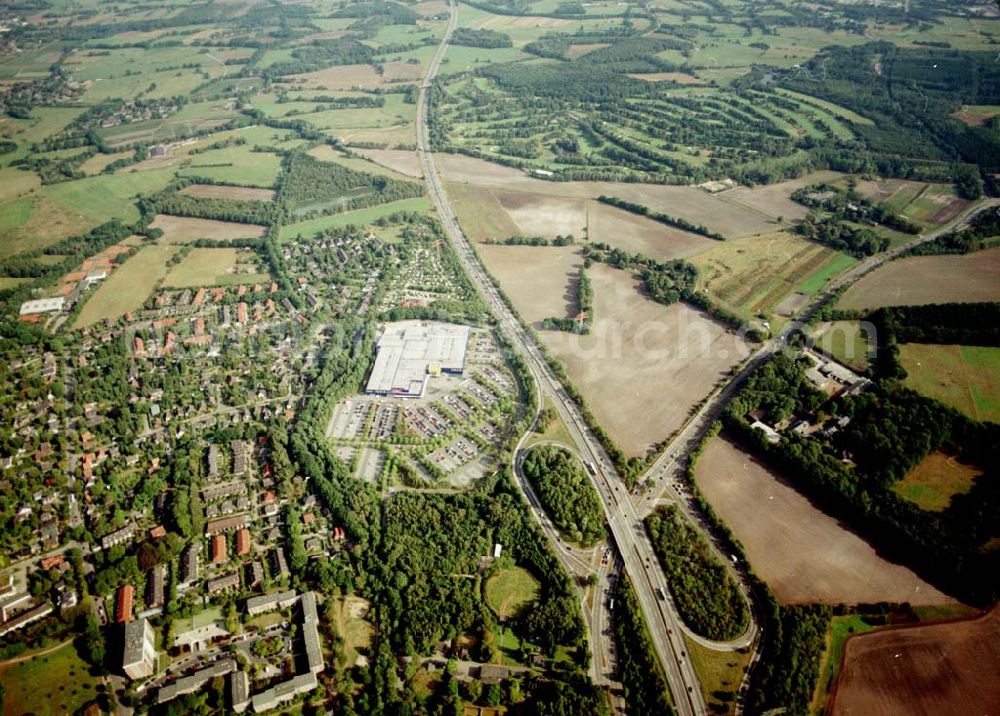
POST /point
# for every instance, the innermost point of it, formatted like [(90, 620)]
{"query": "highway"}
[(625, 524)]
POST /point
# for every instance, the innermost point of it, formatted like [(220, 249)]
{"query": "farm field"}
[(235, 165), (539, 280), (214, 267), (748, 212), (358, 217), (931, 204), (224, 191), (966, 378), (128, 286), (34, 222), (803, 554), (402, 161), (546, 216), (326, 153), (183, 229), (754, 275), (845, 341), (934, 670), (642, 358), (56, 683), (511, 591), (637, 234), (922, 280), (937, 479)]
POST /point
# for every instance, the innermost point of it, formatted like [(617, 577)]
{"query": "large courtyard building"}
[(409, 352)]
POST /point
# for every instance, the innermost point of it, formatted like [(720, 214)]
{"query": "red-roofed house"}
[(219, 548), (123, 604), (243, 542)]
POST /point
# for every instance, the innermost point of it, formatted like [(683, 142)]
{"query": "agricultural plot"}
[(540, 280), (637, 234), (544, 216), (774, 200), (401, 161), (358, 217), (128, 286), (224, 191), (803, 554), (95, 200), (34, 222), (937, 479), (754, 275), (939, 669), (642, 359), (236, 165), (922, 280), (184, 229), (966, 378), (326, 153), (216, 267), (845, 342)]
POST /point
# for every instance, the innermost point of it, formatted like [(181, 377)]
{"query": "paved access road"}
[(625, 524)]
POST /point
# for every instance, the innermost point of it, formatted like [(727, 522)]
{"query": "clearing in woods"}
[(225, 191), (946, 669), (348, 614), (128, 286), (803, 554), (922, 280), (642, 358), (845, 341), (511, 591), (965, 377), (184, 229), (932, 483)]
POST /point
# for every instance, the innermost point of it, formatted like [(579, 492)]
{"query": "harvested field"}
[(326, 153), (933, 482), (183, 229), (774, 199), (975, 115), (540, 280), (966, 378), (342, 77), (224, 191), (643, 359), (480, 213), (546, 216), (402, 71), (682, 78), (691, 203), (922, 280), (935, 670), (756, 274), (638, 234), (402, 161), (576, 51), (128, 287), (803, 554)]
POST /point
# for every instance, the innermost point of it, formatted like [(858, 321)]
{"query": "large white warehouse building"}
[(411, 351)]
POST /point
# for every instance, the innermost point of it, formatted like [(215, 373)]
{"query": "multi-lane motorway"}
[(625, 524)]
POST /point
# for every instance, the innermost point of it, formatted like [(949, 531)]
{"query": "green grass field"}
[(831, 269), (938, 478), (108, 197), (719, 673), (360, 217), (235, 165), (845, 341), (511, 591), (965, 377), (215, 267), (840, 629), (128, 286), (57, 683)]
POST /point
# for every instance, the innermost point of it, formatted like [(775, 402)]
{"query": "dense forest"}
[(566, 493), (708, 599)]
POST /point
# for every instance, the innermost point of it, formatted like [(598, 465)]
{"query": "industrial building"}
[(409, 352)]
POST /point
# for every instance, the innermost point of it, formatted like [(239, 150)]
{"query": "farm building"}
[(411, 351)]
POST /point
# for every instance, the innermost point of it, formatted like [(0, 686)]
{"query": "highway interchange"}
[(625, 515)]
